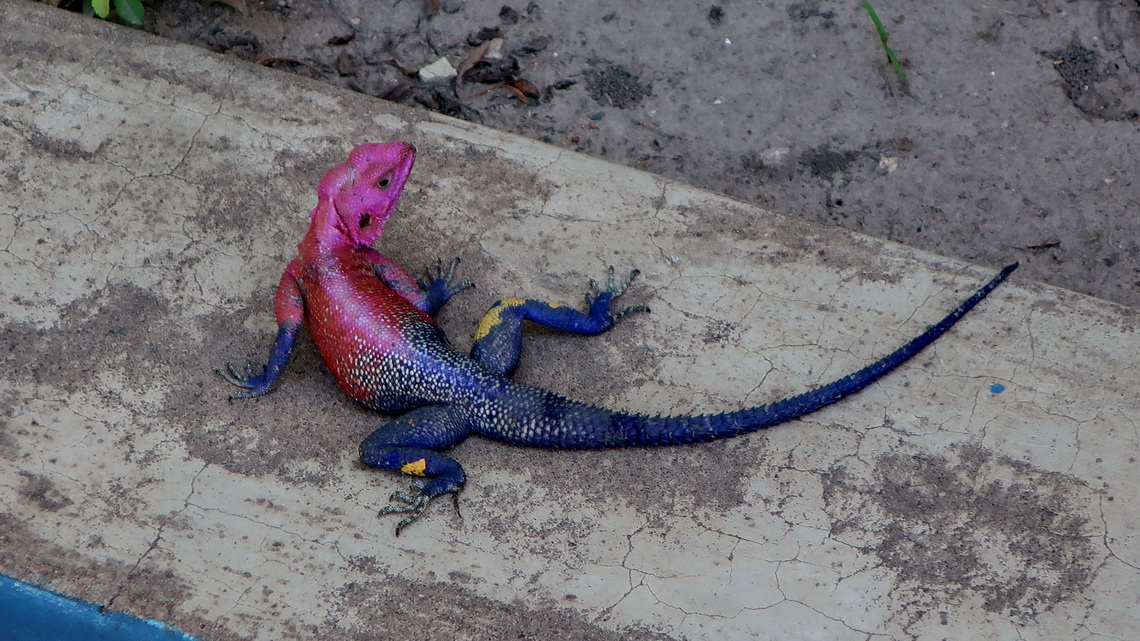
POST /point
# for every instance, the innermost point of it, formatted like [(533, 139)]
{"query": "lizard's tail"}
[(544, 419)]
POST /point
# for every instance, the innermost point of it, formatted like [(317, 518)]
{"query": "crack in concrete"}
[(154, 544)]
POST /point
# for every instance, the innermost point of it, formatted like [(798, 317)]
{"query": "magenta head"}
[(364, 190)]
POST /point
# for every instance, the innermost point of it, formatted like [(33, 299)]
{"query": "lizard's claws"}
[(440, 276), (612, 290), (414, 504), (436, 284), (252, 381)]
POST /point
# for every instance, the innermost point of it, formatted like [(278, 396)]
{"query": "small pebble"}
[(438, 71)]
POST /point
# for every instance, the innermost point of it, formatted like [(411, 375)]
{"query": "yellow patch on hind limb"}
[(494, 316), (415, 468)]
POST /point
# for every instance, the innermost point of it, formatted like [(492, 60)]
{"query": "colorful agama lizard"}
[(372, 322)]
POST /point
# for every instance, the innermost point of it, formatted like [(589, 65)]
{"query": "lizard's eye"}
[(384, 181), (365, 220)]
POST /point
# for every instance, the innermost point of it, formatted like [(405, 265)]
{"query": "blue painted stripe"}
[(29, 613)]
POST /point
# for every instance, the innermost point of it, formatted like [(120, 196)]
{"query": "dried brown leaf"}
[(525, 86), (516, 91), (471, 60)]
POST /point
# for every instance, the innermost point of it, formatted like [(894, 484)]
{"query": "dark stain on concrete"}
[(975, 524), (41, 492), (65, 150), (615, 85), (120, 327), (824, 161), (395, 607), (9, 445), (134, 333), (1099, 88)]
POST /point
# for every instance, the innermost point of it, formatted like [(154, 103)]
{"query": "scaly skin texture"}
[(372, 322)]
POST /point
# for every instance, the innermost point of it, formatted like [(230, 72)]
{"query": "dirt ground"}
[(1015, 135)]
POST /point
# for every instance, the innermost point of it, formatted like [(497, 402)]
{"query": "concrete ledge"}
[(150, 195)]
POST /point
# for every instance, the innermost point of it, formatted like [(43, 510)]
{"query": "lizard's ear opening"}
[(365, 221)]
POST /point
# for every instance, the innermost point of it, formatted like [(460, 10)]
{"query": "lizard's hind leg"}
[(411, 444), (498, 338)]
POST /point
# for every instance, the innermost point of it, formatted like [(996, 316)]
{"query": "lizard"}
[(373, 324)]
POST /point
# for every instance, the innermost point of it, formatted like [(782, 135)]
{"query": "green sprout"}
[(883, 37), (131, 11)]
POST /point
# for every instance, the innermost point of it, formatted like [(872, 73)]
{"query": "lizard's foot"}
[(602, 297), (437, 282), (415, 503), (255, 383)]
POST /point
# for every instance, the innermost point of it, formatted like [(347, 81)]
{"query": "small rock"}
[(777, 163), (508, 15), (438, 71), (483, 35), (533, 46), (494, 49), (776, 156), (345, 65), (451, 6)]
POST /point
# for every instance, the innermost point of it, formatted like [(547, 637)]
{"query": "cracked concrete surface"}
[(149, 200)]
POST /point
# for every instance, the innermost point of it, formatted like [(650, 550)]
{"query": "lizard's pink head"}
[(364, 190)]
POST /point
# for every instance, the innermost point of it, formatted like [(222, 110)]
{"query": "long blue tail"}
[(540, 418)]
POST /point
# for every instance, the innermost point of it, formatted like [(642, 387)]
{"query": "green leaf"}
[(131, 11), (102, 7), (878, 23), (883, 37)]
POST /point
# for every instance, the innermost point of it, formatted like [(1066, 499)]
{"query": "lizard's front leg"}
[(411, 444), (429, 293), (289, 308)]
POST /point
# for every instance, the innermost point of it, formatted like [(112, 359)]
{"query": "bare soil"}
[(1014, 136)]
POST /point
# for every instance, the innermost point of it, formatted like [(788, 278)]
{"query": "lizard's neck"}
[(325, 233)]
